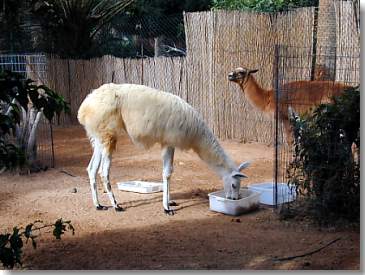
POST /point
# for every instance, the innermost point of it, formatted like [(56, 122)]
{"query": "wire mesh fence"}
[(147, 36), (302, 86), (125, 36), (34, 66), (303, 56)]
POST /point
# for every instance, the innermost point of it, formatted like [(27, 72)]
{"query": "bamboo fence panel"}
[(58, 79), (348, 43), (237, 44), (165, 73), (299, 44), (127, 70), (233, 39), (35, 67), (199, 64)]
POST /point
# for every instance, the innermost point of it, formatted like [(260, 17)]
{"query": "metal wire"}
[(346, 70)]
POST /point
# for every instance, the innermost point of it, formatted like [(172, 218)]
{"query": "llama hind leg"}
[(92, 172), (108, 146), (167, 160), (104, 174)]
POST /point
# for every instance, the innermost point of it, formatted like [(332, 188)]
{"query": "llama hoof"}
[(172, 203), (169, 212), (101, 207), (119, 208)]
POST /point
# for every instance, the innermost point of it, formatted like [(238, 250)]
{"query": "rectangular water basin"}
[(138, 186), (267, 190), (249, 201)]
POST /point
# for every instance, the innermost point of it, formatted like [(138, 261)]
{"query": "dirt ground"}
[(143, 237)]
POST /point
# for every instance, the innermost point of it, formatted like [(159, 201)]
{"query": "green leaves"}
[(324, 168), (60, 227), (17, 93), (11, 249), (10, 156), (12, 86), (73, 24), (47, 101), (11, 244), (262, 5)]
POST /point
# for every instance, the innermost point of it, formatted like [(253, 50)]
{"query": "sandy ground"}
[(143, 237)]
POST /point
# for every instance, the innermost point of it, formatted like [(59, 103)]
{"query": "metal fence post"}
[(276, 125), (52, 145)]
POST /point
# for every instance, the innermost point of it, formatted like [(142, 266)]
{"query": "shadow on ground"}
[(217, 242)]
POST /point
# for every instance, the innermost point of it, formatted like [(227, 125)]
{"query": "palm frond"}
[(108, 13)]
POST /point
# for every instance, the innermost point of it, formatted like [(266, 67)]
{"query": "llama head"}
[(240, 75), (232, 182)]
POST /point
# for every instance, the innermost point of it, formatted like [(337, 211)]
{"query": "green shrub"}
[(22, 105), (11, 245), (324, 169)]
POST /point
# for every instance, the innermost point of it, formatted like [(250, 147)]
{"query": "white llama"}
[(150, 116)]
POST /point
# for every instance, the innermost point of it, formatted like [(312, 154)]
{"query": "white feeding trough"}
[(249, 201), (138, 186), (267, 190)]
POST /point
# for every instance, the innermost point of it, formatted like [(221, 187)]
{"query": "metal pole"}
[(276, 143), (69, 90), (52, 145)]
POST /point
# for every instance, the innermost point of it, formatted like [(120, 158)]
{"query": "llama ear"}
[(238, 175), (253, 71), (243, 165)]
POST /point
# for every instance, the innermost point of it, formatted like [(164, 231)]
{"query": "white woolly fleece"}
[(150, 116)]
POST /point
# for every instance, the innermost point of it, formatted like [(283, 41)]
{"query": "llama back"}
[(152, 116), (313, 90), (303, 95), (149, 116)]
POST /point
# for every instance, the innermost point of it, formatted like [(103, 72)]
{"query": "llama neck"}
[(212, 153), (257, 96)]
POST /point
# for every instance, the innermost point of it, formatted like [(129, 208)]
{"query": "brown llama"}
[(297, 96)]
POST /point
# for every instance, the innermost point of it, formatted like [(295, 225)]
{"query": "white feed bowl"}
[(138, 186), (249, 201), (267, 190)]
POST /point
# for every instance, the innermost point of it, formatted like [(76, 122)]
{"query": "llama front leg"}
[(104, 174), (167, 160), (92, 172)]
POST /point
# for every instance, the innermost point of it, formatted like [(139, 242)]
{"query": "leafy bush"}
[(11, 245), (22, 105), (10, 156), (324, 169)]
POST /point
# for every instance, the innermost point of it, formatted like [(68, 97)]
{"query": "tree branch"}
[(32, 136), (306, 254), (10, 107), (169, 49)]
